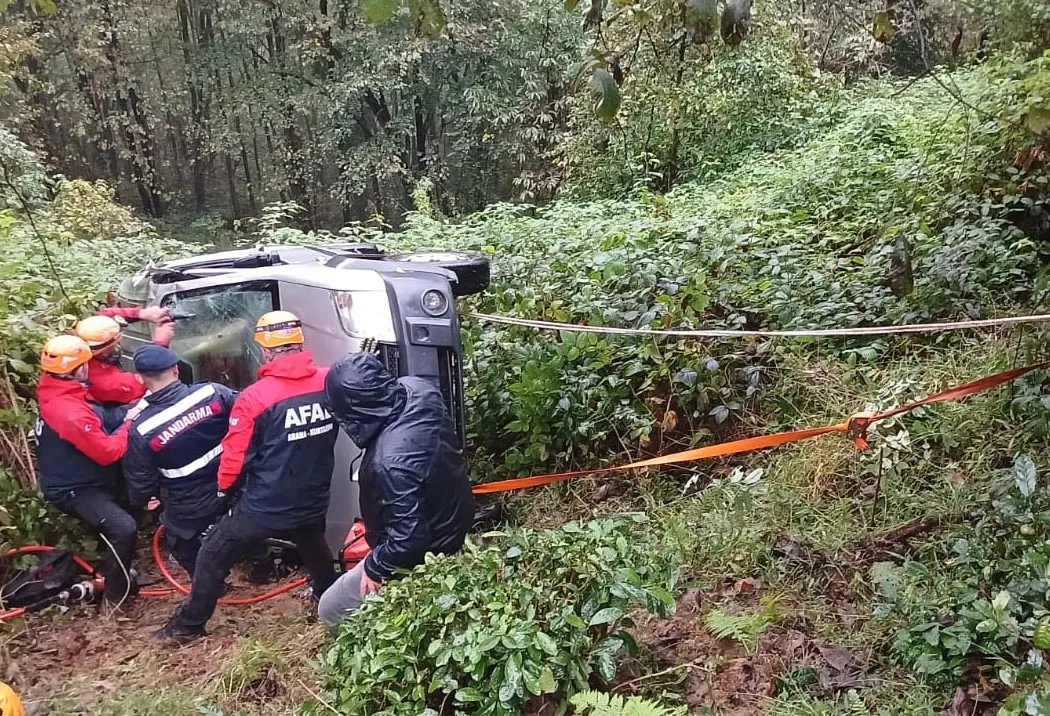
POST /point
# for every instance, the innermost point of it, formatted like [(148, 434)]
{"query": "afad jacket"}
[(73, 449), (280, 448), (415, 491)]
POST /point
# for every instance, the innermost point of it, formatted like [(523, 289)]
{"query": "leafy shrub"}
[(23, 180), (26, 518), (531, 613), (724, 108), (996, 595), (84, 209)]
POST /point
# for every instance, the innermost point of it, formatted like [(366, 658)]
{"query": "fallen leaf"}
[(602, 493), (670, 421), (837, 657), (961, 705), (831, 680), (745, 586)]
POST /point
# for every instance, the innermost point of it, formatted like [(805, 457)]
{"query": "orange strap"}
[(855, 427)]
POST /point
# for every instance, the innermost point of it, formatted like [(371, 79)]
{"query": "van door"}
[(328, 343)]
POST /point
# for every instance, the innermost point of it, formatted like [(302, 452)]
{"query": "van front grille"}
[(450, 380), (452, 388)]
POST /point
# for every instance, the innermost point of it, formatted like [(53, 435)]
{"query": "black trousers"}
[(185, 550), (99, 510), (234, 538)]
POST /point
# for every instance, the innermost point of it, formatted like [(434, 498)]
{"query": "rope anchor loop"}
[(857, 428)]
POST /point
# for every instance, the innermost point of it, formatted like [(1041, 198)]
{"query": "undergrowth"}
[(815, 236), (527, 615), (907, 206)]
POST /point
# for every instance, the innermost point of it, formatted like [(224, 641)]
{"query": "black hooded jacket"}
[(414, 488)]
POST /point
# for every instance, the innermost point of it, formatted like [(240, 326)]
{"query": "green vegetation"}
[(812, 171), (599, 704), (65, 243), (800, 238), (532, 613)]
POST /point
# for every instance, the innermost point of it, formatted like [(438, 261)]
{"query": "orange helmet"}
[(9, 702), (278, 328), (100, 332), (64, 354)]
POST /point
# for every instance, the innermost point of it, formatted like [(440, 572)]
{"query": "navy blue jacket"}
[(74, 449), (281, 446), (173, 453), (414, 487)]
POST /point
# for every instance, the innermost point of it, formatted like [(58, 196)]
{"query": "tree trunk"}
[(295, 177), (138, 135), (671, 165), (193, 85)]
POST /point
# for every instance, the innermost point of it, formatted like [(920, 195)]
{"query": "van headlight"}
[(365, 314), (434, 302)]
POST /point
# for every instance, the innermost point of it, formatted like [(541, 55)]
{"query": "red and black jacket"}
[(107, 383), (281, 445), (73, 449)]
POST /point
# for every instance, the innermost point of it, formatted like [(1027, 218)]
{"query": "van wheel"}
[(472, 270)]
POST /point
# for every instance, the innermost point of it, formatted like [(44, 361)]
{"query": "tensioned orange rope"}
[(855, 427)]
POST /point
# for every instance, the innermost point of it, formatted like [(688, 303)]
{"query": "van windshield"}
[(215, 335)]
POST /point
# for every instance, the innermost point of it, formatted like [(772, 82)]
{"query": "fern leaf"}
[(742, 628), (599, 704)]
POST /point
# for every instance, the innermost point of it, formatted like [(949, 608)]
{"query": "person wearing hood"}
[(415, 493), (279, 454), (78, 459)]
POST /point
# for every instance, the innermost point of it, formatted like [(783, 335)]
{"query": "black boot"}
[(175, 634)]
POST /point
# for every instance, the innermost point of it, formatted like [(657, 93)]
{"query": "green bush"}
[(26, 518), (729, 107), (801, 238), (994, 598), (529, 613)]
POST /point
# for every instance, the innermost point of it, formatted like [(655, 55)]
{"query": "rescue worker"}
[(107, 383), (415, 494), (281, 448), (77, 459), (174, 447)]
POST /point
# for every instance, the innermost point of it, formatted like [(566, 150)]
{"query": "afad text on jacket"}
[(281, 445)]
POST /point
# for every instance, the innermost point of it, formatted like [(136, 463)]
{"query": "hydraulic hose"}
[(38, 548), (177, 587), (159, 559)]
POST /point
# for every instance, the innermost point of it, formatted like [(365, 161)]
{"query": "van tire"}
[(472, 270)]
